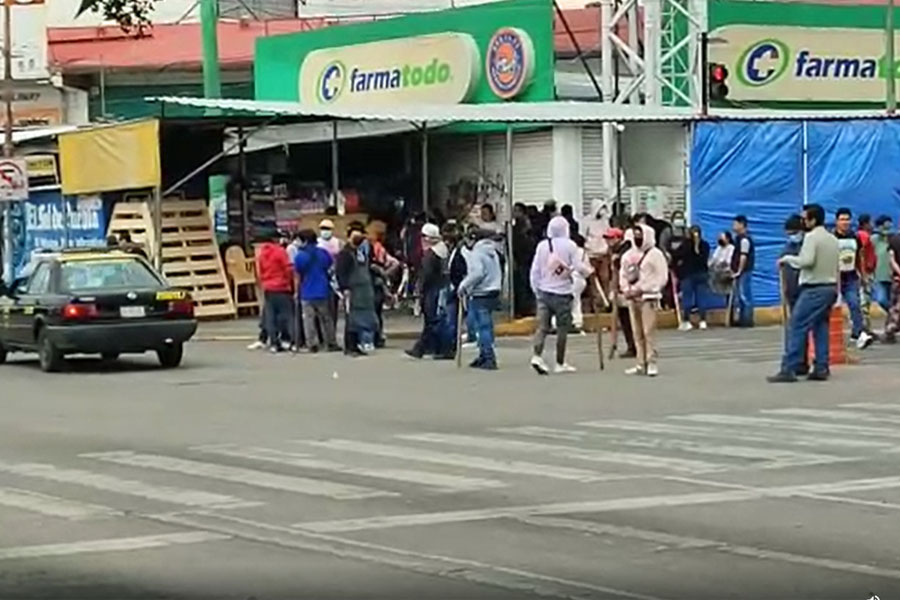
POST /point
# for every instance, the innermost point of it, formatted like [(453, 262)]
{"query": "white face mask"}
[(678, 223), (325, 234)]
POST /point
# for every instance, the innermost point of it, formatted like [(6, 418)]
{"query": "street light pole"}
[(889, 51), (7, 78)]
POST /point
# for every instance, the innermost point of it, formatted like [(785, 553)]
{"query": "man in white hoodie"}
[(553, 271), (643, 275)]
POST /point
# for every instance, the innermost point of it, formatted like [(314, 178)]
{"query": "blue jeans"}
[(743, 301), (810, 314), (881, 293), (278, 311), (471, 326), (433, 339), (850, 295), (482, 308), (450, 323), (694, 290)]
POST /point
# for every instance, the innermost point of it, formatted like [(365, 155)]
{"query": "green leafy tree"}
[(133, 16)]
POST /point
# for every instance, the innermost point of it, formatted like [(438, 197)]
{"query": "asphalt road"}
[(245, 475)]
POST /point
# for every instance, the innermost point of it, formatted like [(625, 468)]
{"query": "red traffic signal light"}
[(717, 75)]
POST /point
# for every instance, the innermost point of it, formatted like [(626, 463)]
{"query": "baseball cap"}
[(326, 224), (430, 230), (614, 233)]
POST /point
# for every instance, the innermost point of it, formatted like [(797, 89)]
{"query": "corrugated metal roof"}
[(513, 112)]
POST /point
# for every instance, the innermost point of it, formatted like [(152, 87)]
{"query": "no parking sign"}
[(13, 179)]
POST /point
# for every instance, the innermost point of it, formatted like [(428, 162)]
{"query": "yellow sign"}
[(431, 69), (170, 295), (784, 63), (41, 165), (28, 310), (110, 158)]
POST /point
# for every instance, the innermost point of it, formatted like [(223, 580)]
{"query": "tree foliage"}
[(133, 16)]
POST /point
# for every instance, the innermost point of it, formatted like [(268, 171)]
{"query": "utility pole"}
[(891, 66), (8, 91), (209, 18)]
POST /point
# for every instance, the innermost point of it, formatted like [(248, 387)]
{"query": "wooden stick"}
[(459, 324), (730, 314), (674, 279), (599, 328)]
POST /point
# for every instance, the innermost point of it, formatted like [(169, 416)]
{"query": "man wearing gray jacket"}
[(481, 289)]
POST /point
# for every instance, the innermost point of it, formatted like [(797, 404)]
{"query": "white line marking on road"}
[(128, 487), (599, 506), (872, 406), (52, 506), (625, 458), (849, 415), (262, 479), (507, 578), (512, 467), (774, 458), (111, 545), (809, 426), (737, 433), (439, 481), (679, 542)]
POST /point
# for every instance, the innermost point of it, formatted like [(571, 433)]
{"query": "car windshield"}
[(79, 276)]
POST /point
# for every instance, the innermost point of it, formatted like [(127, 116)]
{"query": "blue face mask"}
[(796, 237), (325, 234)]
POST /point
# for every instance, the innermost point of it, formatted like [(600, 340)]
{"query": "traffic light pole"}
[(891, 63), (7, 134), (704, 73)]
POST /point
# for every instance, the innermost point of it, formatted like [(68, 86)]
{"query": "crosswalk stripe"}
[(439, 481), (52, 506), (128, 487), (511, 467), (774, 458), (262, 479), (111, 545), (816, 427), (734, 433), (817, 491), (625, 458), (836, 415), (872, 406)]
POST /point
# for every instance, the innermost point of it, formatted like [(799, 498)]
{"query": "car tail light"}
[(79, 312), (181, 308)]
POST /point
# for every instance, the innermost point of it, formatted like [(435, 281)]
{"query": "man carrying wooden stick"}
[(790, 278)]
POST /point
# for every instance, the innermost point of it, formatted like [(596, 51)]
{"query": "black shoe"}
[(334, 348), (628, 354), (782, 377), (314, 350), (819, 376), (476, 364), (802, 371), (487, 365), (447, 356), (412, 354)]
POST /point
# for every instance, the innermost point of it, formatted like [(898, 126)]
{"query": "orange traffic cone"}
[(837, 348)]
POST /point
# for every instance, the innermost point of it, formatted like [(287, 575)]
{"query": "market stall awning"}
[(513, 112), (519, 112)]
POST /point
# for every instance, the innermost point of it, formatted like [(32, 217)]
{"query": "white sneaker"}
[(638, 370), (703, 325), (538, 364), (256, 346), (685, 326), (285, 346), (470, 345), (652, 370), (865, 340), (564, 369)]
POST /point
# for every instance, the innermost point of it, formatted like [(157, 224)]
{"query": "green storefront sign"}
[(800, 54), (487, 53)]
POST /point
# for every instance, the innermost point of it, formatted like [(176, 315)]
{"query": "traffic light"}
[(718, 74)]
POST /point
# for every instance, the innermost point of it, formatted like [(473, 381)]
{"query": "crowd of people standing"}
[(631, 266)]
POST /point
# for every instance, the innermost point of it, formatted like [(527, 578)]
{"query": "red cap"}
[(614, 233)]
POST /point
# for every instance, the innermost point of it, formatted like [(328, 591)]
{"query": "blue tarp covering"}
[(757, 169), (754, 169), (855, 164)]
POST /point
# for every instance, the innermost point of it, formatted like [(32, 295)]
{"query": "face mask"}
[(678, 222), (886, 229), (326, 234), (723, 243), (639, 242), (796, 237)]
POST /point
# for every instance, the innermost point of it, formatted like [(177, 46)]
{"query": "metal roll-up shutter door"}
[(533, 167), (592, 186), (451, 159)]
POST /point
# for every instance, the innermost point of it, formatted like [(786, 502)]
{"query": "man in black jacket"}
[(434, 279)]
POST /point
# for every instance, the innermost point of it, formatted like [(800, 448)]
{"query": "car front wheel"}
[(2, 354), (50, 356), (170, 356)]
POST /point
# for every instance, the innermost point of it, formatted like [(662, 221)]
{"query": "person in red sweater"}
[(276, 278)]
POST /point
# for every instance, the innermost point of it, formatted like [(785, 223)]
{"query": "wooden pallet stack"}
[(134, 219), (190, 254)]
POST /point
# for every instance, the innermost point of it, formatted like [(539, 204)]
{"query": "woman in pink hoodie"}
[(643, 275)]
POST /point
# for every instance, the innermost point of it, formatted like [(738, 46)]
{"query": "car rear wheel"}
[(50, 356), (109, 356), (170, 356), (2, 354)]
